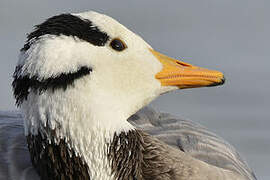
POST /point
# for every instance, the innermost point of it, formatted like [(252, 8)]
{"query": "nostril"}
[(183, 64)]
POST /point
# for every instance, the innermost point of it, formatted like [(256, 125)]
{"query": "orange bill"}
[(184, 75)]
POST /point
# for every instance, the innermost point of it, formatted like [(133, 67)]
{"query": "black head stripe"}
[(22, 85), (69, 25)]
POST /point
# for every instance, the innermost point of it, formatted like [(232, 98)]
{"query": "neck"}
[(119, 158), (127, 155), (72, 143), (83, 132)]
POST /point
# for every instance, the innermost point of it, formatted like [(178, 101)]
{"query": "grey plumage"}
[(191, 138)]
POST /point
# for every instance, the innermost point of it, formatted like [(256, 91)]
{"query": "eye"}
[(118, 45)]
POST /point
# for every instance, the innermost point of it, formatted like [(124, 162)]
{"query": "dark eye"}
[(118, 45)]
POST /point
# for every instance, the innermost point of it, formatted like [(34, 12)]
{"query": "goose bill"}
[(184, 75)]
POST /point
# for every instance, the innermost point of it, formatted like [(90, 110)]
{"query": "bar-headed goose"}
[(79, 81)]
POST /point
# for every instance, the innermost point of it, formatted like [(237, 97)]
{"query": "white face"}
[(119, 85)]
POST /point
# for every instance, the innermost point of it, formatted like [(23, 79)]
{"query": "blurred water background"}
[(232, 36)]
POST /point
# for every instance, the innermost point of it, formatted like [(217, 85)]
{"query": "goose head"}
[(89, 69), (84, 74)]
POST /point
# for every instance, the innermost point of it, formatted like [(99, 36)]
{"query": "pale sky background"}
[(229, 35)]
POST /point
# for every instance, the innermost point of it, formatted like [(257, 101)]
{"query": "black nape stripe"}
[(56, 160), (69, 25), (23, 84)]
